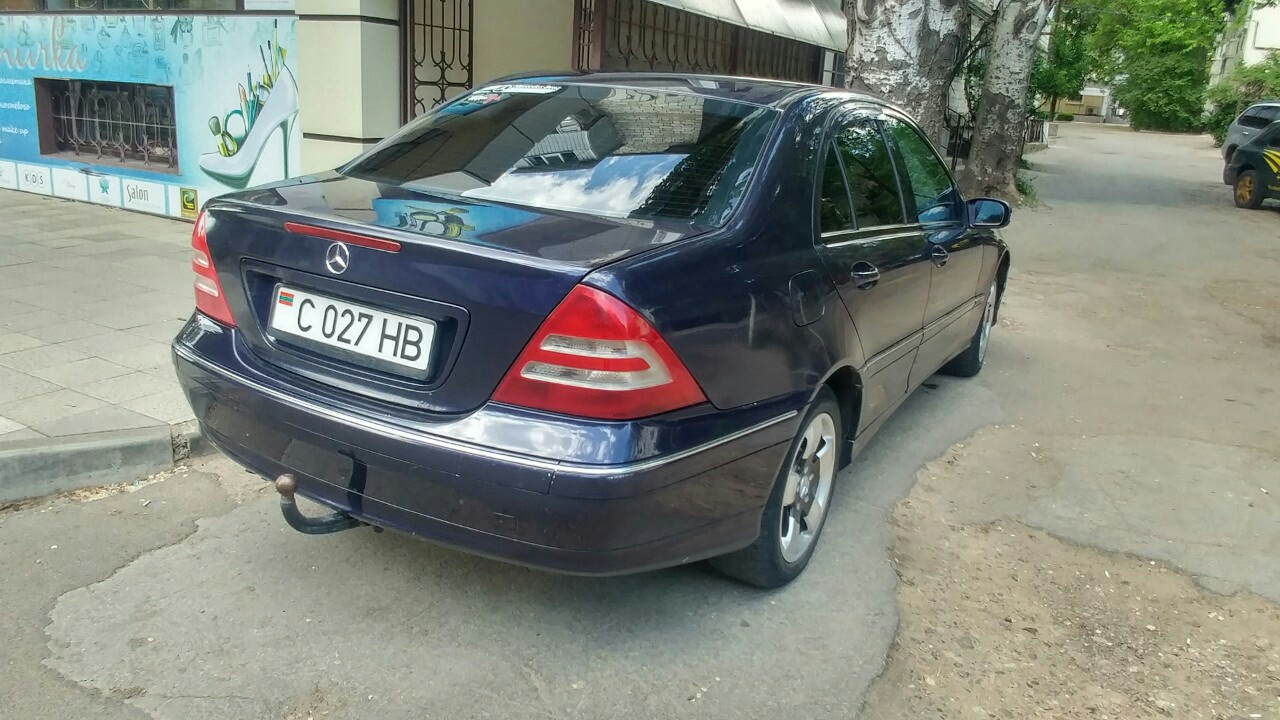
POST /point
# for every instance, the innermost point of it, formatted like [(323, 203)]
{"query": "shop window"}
[(108, 123), (126, 5)]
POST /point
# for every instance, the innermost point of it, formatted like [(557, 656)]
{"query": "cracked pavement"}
[(1126, 417)]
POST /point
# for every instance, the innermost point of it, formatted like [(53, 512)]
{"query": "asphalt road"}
[(189, 598)]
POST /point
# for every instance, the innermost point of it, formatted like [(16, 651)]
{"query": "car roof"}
[(757, 91), (1265, 103)]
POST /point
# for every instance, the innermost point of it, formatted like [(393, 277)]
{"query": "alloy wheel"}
[(988, 319), (808, 489), (1244, 189)]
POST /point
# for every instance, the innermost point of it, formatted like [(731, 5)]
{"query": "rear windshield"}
[(617, 152)]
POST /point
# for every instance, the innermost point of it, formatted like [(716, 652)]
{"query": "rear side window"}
[(869, 170), (834, 212), (617, 152), (1258, 117)]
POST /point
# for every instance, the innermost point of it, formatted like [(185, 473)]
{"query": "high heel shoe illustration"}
[(271, 104)]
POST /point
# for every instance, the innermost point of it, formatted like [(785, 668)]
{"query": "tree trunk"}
[(906, 51), (1001, 125), (1053, 107)]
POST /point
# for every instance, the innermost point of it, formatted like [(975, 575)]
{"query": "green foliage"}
[(1063, 70), (1027, 189), (1157, 53), (1066, 117), (1244, 86), (1164, 93)]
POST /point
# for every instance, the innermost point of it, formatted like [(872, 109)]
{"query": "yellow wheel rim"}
[(1244, 189)]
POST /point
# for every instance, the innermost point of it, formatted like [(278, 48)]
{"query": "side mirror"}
[(989, 214)]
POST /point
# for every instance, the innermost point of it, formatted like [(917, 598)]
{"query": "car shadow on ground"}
[(870, 486)]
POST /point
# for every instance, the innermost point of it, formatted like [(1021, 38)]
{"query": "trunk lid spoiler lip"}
[(279, 214)]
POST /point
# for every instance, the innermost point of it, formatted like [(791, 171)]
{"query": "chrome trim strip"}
[(883, 355), (455, 446), (955, 313), (870, 235)]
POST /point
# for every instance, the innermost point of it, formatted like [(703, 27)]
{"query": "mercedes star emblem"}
[(337, 258)]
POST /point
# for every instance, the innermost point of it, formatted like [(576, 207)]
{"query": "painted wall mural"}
[(234, 107)]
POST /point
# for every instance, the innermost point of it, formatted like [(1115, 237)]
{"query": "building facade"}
[(158, 105), (1247, 42)]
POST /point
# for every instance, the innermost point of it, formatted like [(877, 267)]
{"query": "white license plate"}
[(398, 339)]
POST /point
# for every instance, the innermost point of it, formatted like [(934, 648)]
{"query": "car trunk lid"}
[(483, 275)]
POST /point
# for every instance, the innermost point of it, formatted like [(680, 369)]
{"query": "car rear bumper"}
[(568, 516)]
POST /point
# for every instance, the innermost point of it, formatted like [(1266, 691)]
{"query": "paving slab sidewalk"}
[(89, 299)]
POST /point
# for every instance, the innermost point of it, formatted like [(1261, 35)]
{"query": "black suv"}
[(1254, 169)]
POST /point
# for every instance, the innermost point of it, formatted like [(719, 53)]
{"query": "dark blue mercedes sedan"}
[(596, 324)]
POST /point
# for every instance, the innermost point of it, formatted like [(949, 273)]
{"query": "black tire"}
[(969, 363), (762, 563), (1248, 191)]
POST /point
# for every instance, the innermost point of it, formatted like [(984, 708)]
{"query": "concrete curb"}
[(33, 468)]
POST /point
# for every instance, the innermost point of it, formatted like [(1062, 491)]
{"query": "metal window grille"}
[(126, 122), (772, 56), (1037, 131), (438, 43), (642, 35), (833, 68), (959, 136), (586, 27)]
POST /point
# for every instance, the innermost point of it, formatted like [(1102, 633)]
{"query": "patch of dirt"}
[(318, 703), (97, 492), (104, 491), (1000, 620)]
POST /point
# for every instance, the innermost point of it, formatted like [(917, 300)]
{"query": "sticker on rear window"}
[(521, 89)]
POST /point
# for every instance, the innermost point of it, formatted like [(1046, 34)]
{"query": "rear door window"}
[(868, 167), (616, 152), (1256, 118)]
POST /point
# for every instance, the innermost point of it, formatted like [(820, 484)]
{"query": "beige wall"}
[(1077, 108), (350, 78), (320, 155), (1082, 107), (350, 69), (513, 36)]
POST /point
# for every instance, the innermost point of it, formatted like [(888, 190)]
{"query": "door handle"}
[(940, 255), (865, 275)]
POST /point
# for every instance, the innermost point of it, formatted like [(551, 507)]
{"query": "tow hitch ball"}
[(333, 522)]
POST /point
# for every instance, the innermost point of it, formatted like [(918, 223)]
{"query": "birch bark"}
[(992, 168), (907, 51)]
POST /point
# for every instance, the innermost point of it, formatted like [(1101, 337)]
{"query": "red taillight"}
[(596, 357), (209, 297)]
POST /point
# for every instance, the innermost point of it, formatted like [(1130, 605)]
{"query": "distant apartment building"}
[(1248, 42)]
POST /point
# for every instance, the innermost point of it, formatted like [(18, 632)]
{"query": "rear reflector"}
[(209, 297), (343, 237), (596, 357)]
